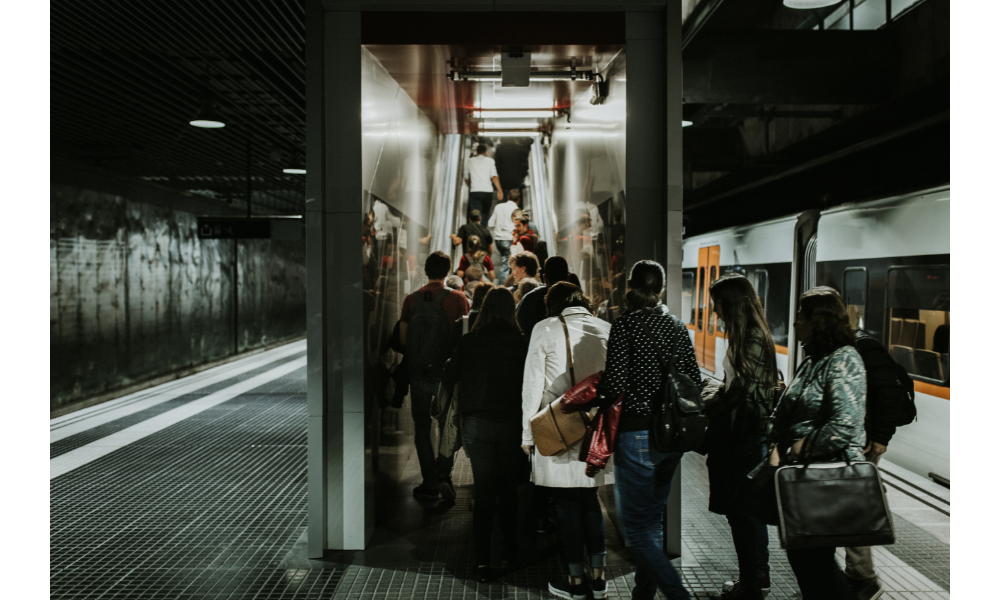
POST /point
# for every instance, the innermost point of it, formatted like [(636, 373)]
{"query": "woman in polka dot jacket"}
[(642, 473)]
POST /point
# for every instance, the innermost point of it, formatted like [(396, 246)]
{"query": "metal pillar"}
[(337, 503), (655, 175)]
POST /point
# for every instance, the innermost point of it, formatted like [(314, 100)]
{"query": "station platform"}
[(197, 489)]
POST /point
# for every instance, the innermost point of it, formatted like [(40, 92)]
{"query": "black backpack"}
[(679, 422), (427, 335)]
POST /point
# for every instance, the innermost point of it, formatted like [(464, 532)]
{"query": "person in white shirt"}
[(503, 231), (481, 176)]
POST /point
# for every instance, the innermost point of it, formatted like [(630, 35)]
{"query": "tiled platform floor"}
[(214, 506)]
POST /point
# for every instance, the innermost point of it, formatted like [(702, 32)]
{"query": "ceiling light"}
[(207, 118), (509, 133), (207, 123), (298, 166), (294, 171), (509, 125), (529, 113), (810, 4), (687, 123)]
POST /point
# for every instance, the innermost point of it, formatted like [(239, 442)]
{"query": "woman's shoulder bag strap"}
[(569, 351)]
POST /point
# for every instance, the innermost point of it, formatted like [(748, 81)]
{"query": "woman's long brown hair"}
[(744, 318), (498, 307), (831, 327)]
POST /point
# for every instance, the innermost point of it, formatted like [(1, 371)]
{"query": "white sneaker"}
[(765, 585)]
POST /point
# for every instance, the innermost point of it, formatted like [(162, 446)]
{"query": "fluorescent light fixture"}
[(509, 125), (508, 133), (686, 123), (500, 113), (810, 4), (208, 123), (294, 171)]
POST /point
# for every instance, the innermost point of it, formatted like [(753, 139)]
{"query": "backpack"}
[(679, 423), (482, 267), (427, 335)]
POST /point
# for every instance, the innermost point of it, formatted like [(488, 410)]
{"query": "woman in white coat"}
[(546, 377)]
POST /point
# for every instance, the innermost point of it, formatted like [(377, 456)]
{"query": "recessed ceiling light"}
[(508, 133), (208, 123), (500, 113), (686, 123), (810, 4), (294, 171)]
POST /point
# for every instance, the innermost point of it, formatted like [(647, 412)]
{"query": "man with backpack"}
[(473, 228), (424, 328), (889, 404)]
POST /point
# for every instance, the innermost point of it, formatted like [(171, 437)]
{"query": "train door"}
[(705, 325)]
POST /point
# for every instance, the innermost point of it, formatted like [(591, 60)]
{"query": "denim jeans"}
[(503, 247), (422, 391), (819, 575), (581, 521), (481, 201), (642, 484), (749, 535)]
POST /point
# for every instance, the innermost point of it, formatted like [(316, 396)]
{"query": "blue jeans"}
[(818, 574), (481, 201), (581, 521), (503, 247), (422, 391), (642, 484), (498, 464)]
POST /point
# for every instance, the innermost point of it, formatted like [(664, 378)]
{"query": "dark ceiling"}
[(848, 115)]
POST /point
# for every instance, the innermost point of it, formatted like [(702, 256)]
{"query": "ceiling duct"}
[(515, 68)]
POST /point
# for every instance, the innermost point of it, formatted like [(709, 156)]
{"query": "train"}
[(888, 258)]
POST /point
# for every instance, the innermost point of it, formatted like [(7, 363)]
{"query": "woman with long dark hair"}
[(832, 373), (491, 420), (643, 473), (738, 425), (570, 332)]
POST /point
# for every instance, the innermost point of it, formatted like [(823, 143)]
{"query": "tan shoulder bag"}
[(553, 431)]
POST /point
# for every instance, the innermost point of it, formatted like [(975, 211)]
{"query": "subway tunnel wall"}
[(136, 296)]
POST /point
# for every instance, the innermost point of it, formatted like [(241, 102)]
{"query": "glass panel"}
[(687, 296), (711, 303), (701, 298), (920, 321), (856, 295), (760, 284)]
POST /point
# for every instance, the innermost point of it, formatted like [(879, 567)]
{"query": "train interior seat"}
[(946, 368), (895, 325), (904, 356), (928, 364)]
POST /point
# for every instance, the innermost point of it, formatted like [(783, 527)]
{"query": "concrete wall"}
[(135, 295)]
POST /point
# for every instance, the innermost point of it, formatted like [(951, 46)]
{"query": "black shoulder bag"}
[(679, 422)]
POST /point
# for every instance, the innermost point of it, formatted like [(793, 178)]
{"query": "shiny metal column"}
[(337, 498), (654, 175)]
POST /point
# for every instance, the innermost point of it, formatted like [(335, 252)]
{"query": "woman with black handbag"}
[(738, 425), (821, 416)]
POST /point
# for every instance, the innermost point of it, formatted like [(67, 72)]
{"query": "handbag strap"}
[(569, 351)]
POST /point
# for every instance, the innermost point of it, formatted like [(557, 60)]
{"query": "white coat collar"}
[(575, 310)]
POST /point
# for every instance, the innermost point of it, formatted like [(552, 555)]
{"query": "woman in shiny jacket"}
[(546, 377), (489, 363), (833, 371), (738, 425)]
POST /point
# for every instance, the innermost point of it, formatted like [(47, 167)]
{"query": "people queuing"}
[(517, 349), (503, 230)]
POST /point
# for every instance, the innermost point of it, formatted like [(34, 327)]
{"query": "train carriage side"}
[(761, 252), (890, 261)]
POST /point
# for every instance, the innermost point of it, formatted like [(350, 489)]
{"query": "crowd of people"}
[(538, 329)]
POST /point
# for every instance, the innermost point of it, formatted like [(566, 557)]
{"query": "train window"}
[(701, 297), (919, 308), (759, 281), (687, 296), (711, 305), (856, 295)]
